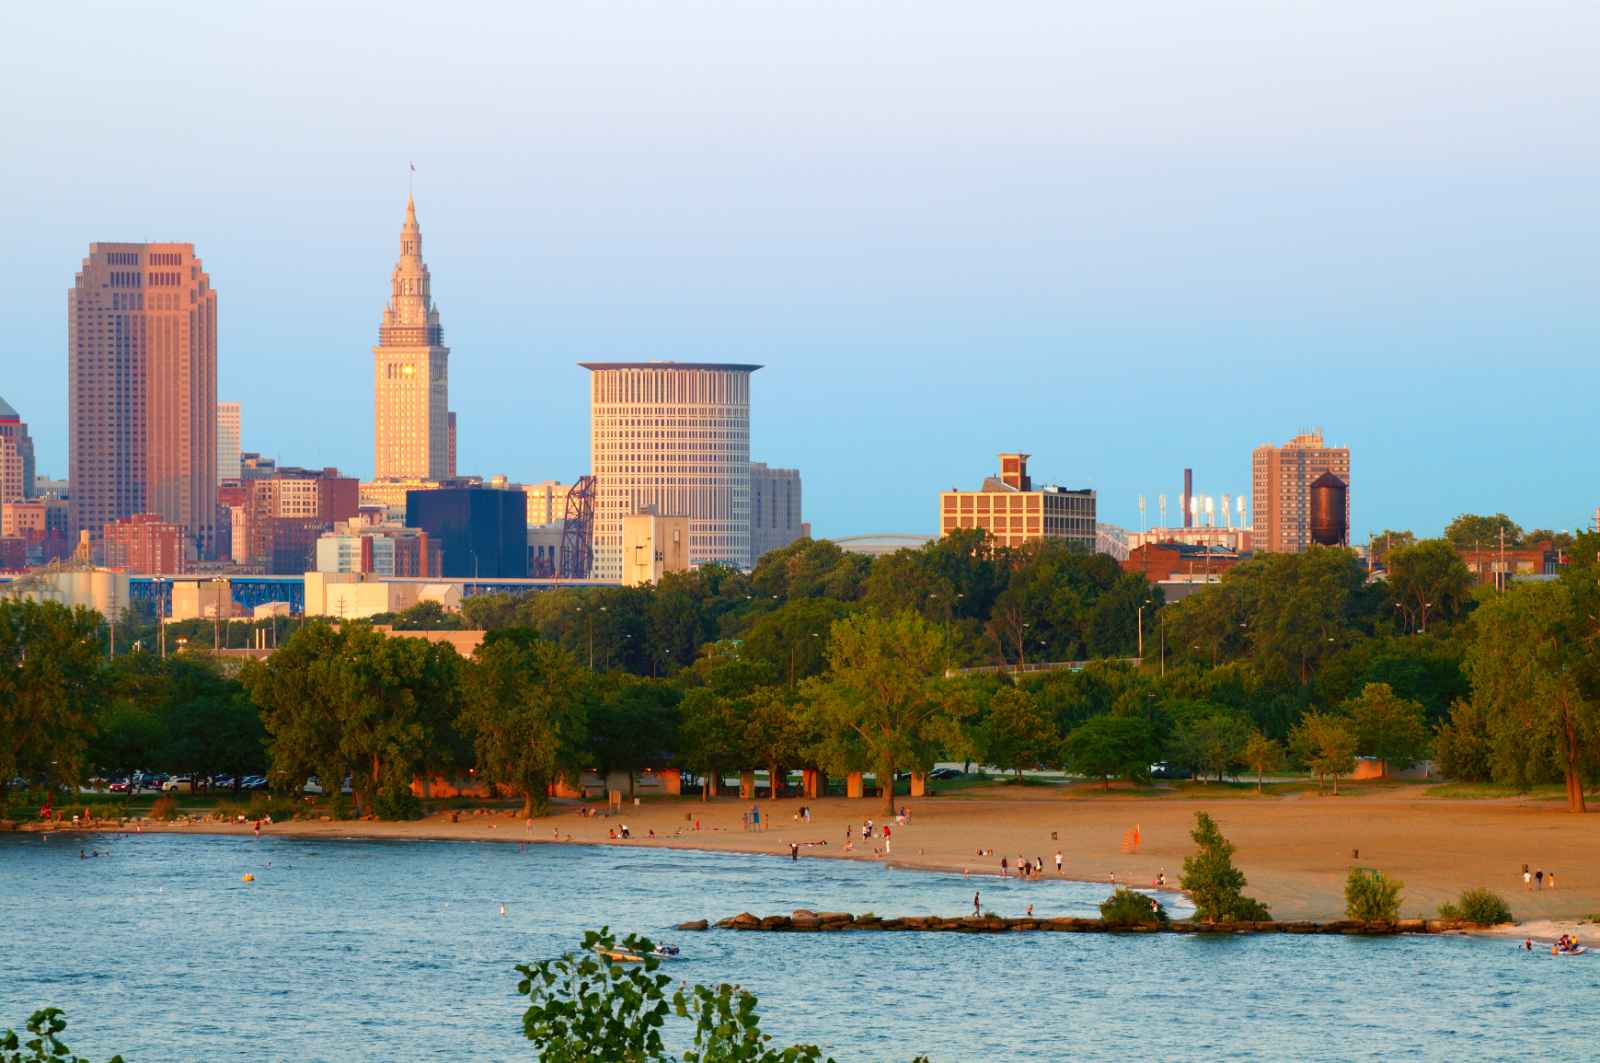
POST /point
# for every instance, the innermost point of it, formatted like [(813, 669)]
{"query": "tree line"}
[(824, 659)]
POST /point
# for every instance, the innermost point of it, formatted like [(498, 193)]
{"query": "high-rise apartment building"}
[(228, 438), (774, 509), (672, 438), (1280, 487), (1013, 512), (16, 456), (142, 389), (411, 379)]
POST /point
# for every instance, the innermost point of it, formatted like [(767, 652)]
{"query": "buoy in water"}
[(248, 877)]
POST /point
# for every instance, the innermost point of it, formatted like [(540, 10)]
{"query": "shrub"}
[(1131, 908), (341, 807), (1371, 897), (164, 807), (397, 803), (1480, 907)]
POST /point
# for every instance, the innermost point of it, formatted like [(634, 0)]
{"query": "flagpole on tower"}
[(411, 181)]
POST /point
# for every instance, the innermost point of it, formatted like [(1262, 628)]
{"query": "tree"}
[(1107, 747), (426, 616), (710, 735), (1531, 661), (1016, 733), (524, 710), (775, 732), (1427, 578), (1211, 880), (880, 705), (211, 725), (1388, 727), (52, 686), (792, 640), (1210, 740), (1386, 542), (1261, 755), (1326, 745), (1471, 531), (350, 701), (587, 1008), (632, 724), (1371, 897), (1463, 748)]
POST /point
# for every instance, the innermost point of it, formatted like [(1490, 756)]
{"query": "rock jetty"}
[(802, 920)]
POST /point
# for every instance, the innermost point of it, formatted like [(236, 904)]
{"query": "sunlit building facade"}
[(411, 374), (672, 438)]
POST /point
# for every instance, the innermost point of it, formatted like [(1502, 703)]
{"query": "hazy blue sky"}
[(1125, 237)]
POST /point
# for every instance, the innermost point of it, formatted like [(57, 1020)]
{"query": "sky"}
[(1125, 238)]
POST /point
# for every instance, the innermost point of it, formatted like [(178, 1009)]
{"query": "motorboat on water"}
[(660, 952)]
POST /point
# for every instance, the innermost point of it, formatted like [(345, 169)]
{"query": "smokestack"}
[(1188, 498)]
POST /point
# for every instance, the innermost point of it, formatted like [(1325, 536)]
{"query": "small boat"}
[(1574, 950), (660, 952)]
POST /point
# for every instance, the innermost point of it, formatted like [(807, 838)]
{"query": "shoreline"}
[(1294, 851)]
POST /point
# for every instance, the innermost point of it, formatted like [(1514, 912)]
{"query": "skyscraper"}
[(16, 456), (1280, 487), (142, 389), (228, 433), (774, 509), (672, 438), (411, 424)]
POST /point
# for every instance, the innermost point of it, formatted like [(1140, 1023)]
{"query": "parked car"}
[(1163, 770), (118, 786), (945, 773), (253, 783), (220, 782), (313, 786), (171, 785)]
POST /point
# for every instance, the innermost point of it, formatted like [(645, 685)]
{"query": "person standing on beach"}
[(1005, 868), (794, 853), (1527, 878), (1538, 879), (1550, 880), (1058, 861), (976, 910)]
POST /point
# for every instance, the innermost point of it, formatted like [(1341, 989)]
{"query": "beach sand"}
[(1295, 850)]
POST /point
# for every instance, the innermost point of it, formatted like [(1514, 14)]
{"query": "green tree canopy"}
[(1108, 747), (52, 686), (1017, 732), (525, 710), (1427, 579), (1326, 745), (1388, 726), (880, 705)]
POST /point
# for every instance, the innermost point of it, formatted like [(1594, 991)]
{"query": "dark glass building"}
[(484, 530)]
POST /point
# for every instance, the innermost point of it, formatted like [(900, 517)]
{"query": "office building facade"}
[(775, 519), (228, 439), (671, 438), (1280, 487), (411, 377), (17, 473), (483, 531), (289, 510), (1013, 512), (142, 390)]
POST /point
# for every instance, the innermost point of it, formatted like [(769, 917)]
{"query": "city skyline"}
[(1190, 278)]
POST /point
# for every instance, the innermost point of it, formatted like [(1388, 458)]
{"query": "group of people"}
[(1538, 879), (1565, 944)]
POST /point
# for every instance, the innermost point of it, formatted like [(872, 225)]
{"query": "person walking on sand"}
[(1538, 879), (1527, 878)]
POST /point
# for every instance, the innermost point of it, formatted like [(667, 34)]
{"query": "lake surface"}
[(383, 950)]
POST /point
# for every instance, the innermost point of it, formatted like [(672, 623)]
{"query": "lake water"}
[(366, 950)]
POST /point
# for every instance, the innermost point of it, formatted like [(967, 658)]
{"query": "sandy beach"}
[(1295, 849)]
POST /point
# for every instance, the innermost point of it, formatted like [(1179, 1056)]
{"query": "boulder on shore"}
[(693, 924)]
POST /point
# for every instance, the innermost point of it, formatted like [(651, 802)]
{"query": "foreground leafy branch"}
[(43, 1046)]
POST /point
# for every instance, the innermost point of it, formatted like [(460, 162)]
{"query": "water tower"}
[(1329, 496)]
